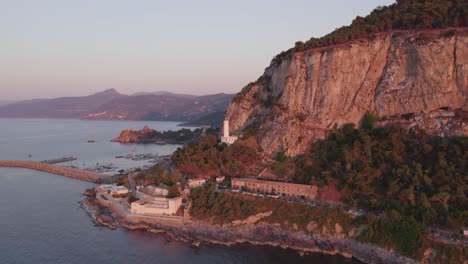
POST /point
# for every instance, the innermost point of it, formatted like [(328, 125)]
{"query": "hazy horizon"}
[(55, 48), (138, 93)]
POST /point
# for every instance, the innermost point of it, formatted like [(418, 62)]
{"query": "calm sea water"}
[(40, 139), (42, 220)]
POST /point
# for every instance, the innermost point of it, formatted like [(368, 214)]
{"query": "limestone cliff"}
[(418, 78)]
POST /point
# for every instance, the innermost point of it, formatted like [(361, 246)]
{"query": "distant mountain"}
[(111, 105), (6, 102), (164, 93), (63, 107), (165, 107), (214, 119)]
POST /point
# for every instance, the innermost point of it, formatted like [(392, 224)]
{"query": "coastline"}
[(264, 234)]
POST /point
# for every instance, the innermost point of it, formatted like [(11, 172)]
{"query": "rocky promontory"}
[(148, 135), (135, 136), (256, 234)]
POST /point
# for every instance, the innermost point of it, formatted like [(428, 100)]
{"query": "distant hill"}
[(165, 107), (6, 102), (112, 105), (164, 93), (63, 107), (213, 119)]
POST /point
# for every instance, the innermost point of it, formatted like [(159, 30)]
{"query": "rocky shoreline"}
[(199, 232)]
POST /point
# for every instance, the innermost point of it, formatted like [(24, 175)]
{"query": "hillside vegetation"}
[(224, 207), (390, 169), (209, 158), (382, 169), (407, 181), (403, 15)]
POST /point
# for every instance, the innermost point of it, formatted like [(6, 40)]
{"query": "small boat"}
[(91, 141)]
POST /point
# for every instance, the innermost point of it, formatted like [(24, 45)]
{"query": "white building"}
[(193, 183), (226, 138), (156, 206), (150, 191), (153, 201), (113, 189)]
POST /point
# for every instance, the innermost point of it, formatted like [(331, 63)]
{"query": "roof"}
[(197, 179)]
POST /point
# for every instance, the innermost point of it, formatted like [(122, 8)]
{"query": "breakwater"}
[(54, 161), (59, 170)]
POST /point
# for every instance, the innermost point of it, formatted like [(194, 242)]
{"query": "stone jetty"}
[(59, 170), (54, 161)]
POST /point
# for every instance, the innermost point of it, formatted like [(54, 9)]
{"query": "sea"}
[(43, 220)]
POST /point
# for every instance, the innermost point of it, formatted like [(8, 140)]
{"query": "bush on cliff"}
[(402, 234)]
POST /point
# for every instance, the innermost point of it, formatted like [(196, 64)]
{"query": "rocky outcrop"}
[(416, 77), (148, 135), (135, 136), (251, 219)]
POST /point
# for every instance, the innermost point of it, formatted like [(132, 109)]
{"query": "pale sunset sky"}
[(54, 48)]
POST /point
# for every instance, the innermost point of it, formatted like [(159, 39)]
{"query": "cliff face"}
[(418, 78)]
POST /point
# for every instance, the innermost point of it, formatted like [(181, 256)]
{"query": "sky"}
[(54, 48)]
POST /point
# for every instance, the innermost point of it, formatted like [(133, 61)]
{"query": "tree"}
[(369, 120), (281, 156), (173, 191), (176, 176), (131, 198)]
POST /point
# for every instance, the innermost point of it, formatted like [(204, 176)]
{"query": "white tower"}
[(226, 128), (226, 138)]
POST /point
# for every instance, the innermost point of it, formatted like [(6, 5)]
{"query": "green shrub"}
[(368, 121)]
